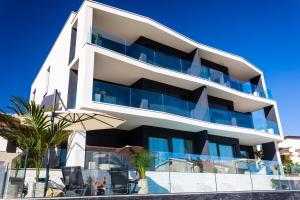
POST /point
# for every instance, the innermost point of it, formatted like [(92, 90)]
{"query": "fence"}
[(105, 172)]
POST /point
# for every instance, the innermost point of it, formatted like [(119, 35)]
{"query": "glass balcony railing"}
[(172, 62), (125, 96), (181, 162)]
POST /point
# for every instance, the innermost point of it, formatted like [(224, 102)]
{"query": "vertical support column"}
[(85, 78), (201, 143), (84, 27), (201, 110), (195, 68), (76, 149)]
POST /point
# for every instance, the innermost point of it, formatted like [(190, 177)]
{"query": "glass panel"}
[(146, 100), (109, 93), (242, 120), (122, 95), (220, 116), (226, 151), (259, 120), (176, 106), (216, 76), (158, 144), (213, 149), (168, 61)]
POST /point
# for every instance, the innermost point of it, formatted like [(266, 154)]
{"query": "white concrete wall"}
[(57, 60), (3, 144), (292, 144), (76, 149)]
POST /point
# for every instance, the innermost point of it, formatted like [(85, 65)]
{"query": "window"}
[(158, 144), (226, 151), (221, 150), (244, 154), (182, 146), (33, 95), (47, 78), (213, 149)]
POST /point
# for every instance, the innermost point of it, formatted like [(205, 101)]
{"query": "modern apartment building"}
[(176, 94)]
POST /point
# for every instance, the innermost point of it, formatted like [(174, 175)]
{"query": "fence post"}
[(170, 184)]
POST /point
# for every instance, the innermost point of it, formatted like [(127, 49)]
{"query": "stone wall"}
[(274, 195)]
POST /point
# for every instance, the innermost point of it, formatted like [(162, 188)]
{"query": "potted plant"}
[(143, 161), (98, 38)]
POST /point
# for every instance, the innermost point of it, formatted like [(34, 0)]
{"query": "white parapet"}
[(76, 149)]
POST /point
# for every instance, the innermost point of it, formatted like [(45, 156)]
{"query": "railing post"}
[(170, 184), (250, 176), (215, 175)]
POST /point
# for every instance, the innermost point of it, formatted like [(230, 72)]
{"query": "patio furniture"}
[(119, 181), (73, 180)]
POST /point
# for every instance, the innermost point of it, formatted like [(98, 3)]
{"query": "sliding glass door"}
[(221, 150)]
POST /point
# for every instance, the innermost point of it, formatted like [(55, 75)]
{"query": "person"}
[(101, 187)]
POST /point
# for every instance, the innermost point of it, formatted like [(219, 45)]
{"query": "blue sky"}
[(267, 33)]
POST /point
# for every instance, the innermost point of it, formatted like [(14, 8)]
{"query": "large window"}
[(226, 151), (182, 146), (177, 145), (221, 150), (158, 144)]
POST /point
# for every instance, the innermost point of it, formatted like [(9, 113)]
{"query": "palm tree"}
[(31, 129)]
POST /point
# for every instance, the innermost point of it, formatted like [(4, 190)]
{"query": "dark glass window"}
[(182, 146), (213, 149), (226, 151), (244, 154), (221, 150)]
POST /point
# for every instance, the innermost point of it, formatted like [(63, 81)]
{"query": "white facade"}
[(92, 61)]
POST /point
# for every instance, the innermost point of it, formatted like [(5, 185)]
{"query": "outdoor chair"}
[(120, 181), (73, 180)]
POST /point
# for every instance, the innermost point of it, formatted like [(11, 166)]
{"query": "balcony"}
[(137, 98), (171, 62)]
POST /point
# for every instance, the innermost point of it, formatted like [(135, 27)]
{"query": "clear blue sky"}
[(266, 32)]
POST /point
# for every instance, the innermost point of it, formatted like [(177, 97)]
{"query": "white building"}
[(291, 146), (176, 94)]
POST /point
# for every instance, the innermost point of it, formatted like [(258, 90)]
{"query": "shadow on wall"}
[(155, 188)]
